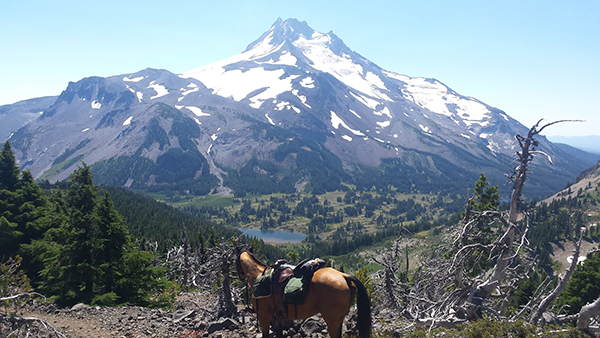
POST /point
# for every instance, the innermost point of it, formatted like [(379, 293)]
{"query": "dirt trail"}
[(75, 327)]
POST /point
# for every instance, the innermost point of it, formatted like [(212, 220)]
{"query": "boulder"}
[(222, 324), (179, 315)]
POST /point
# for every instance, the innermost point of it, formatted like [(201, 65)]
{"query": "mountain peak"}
[(282, 31)]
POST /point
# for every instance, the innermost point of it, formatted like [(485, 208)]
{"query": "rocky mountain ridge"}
[(297, 107)]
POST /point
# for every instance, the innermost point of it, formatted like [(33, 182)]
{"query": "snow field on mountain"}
[(185, 91), (383, 124), (135, 79), (317, 49), (197, 111), (366, 101), (277, 86), (238, 84), (270, 119), (385, 111), (301, 97), (355, 113), (285, 58), (436, 98), (159, 89), (336, 121), (307, 82)]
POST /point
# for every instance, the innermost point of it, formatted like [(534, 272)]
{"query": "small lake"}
[(274, 236)]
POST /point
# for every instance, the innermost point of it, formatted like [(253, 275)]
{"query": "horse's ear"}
[(238, 246)]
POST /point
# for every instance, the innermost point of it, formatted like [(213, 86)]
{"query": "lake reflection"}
[(274, 236)]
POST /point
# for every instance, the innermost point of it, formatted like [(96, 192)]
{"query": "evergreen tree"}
[(31, 218), (89, 256), (9, 171), (488, 199), (8, 236), (583, 286), (21, 205)]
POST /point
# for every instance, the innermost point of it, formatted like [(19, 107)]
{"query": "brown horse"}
[(331, 293)]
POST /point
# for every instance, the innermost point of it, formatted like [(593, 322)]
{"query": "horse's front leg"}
[(265, 325), (264, 319)]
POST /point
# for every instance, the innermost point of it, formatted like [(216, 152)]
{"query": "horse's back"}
[(330, 285), (330, 278)]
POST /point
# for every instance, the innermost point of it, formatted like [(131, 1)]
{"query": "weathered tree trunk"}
[(586, 314), (230, 308), (537, 314), (505, 244)]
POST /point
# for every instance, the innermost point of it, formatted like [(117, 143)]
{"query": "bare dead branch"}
[(587, 312), (27, 321), (536, 315), (20, 295)]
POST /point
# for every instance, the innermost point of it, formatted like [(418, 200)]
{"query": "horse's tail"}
[(363, 303)]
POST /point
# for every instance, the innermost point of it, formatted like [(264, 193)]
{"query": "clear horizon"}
[(532, 60)]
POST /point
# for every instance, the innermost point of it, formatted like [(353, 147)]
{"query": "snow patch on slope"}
[(384, 124), (135, 79), (307, 82), (286, 58), (237, 84), (159, 89), (336, 121), (317, 49), (275, 85), (197, 111), (270, 119), (366, 101), (435, 97), (355, 113)]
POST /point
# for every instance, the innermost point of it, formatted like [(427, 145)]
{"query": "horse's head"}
[(248, 265), (238, 260), (240, 269)]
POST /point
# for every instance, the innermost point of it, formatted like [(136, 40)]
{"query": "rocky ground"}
[(193, 317)]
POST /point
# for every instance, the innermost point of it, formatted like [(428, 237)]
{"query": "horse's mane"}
[(256, 259)]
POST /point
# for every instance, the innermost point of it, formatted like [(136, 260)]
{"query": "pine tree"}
[(9, 171), (89, 257), (488, 199), (21, 205), (32, 203)]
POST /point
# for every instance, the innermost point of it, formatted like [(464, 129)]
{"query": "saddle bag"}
[(263, 286), (295, 290)]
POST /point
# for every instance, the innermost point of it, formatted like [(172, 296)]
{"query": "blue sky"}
[(532, 59)]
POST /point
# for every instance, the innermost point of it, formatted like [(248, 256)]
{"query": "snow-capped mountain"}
[(277, 74), (296, 107)]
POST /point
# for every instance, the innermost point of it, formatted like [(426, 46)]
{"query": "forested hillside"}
[(76, 246), (149, 220), (79, 242)]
